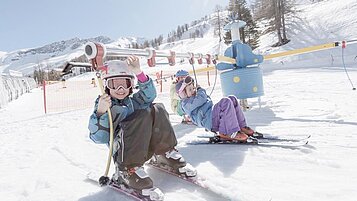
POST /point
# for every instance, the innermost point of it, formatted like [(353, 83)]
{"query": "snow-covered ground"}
[(47, 157)]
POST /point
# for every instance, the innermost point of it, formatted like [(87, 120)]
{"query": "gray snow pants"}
[(142, 134)]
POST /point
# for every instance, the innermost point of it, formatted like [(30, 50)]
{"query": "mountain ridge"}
[(314, 24)]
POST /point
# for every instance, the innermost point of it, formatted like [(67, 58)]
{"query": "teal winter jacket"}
[(99, 126)]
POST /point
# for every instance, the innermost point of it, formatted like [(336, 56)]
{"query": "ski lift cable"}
[(344, 66), (215, 80), (194, 72), (215, 66), (351, 41)]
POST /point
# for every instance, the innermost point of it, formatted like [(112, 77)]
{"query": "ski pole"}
[(96, 52)]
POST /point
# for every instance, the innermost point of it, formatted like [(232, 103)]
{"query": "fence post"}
[(209, 84), (44, 95), (161, 82)]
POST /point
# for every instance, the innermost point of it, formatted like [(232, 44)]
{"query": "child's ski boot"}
[(251, 133), (238, 136), (137, 179), (175, 161)]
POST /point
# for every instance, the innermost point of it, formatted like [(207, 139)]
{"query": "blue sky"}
[(33, 23)]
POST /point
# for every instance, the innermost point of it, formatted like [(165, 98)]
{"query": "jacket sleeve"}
[(174, 98), (173, 94), (145, 96), (99, 126), (190, 104)]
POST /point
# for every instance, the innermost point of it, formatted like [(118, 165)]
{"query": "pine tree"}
[(182, 30), (275, 12), (186, 27), (39, 75), (218, 22), (160, 39), (248, 34), (227, 37), (156, 42), (174, 36), (197, 33), (146, 44), (179, 33), (35, 74)]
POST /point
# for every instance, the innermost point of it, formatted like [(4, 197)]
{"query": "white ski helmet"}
[(118, 68)]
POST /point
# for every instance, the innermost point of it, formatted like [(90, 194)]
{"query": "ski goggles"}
[(116, 83), (179, 78), (187, 81)]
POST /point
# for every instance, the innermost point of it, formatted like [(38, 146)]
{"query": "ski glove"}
[(134, 64), (103, 104)]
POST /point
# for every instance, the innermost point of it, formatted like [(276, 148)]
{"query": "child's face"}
[(190, 90), (120, 93), (119, 87)]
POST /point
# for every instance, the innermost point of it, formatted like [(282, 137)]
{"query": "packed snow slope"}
[(47, 157)]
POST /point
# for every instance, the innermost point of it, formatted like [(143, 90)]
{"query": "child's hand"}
[(134, 64), (104, 103)]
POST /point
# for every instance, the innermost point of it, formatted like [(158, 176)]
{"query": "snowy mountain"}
[(307, 28), (1, 55), (54, 55)]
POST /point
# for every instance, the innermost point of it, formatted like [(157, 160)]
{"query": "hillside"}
[(55, 54), (1, 55), (314, 24)]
